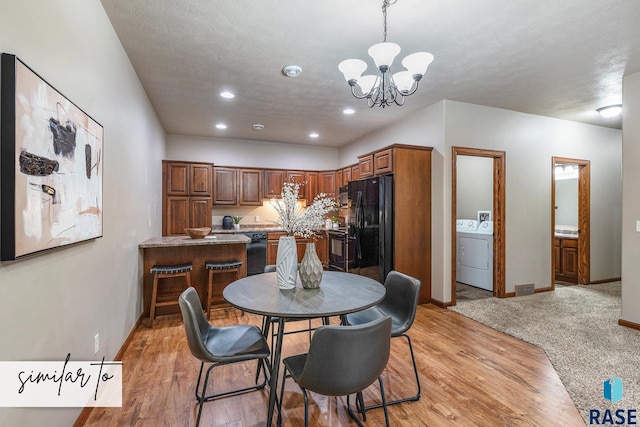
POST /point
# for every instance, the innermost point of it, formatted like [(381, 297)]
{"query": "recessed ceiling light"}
[(258, 126), (292, 71), (221, 126), (227, 94), (348, 111), (610, 110), (314, 135)]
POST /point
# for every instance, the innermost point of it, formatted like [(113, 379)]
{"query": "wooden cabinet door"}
[(346, 175), (177, 215), (557, 254), (224, 186), (366, 166), (200, 179), (322, 249), (570, 261), (250, 187), (301, 247), (200, 211), (298, 177), (310, 189), (177, 179), (339, 180), (355, 173), (272, 183), (383, 162), (327, 184), (272, 251)]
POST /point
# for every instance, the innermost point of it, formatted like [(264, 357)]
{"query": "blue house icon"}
[(613, 389)]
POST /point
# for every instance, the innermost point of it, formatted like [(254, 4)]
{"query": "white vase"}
[(236, 226), (287, 262), (310, 268)]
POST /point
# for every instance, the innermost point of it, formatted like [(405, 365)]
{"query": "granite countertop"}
[(211, 239), (566, 235)]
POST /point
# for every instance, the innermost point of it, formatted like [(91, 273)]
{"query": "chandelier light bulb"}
[(352, 68), (417, 63), (366, 83)]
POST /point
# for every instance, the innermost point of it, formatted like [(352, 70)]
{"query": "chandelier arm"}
[(353, 92)]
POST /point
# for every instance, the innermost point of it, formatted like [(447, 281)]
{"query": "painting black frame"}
[(12, 172)]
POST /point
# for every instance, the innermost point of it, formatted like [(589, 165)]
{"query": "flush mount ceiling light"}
[(258, 126), (348, 111), (314, 135), (221, 126), (292, 71), (610, 111), (385, 89), (227, 94)]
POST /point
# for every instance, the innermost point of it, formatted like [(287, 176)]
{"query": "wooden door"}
[(250, 187), (177, 213), (272, 183), (327, 184), (224, 186), (200, 211), (200, 181), (177, 179), (311, 187), (366, 166)]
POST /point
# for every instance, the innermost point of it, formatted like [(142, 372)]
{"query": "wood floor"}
[(471, 375)]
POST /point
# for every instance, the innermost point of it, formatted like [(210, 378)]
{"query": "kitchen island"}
[(183, 249)]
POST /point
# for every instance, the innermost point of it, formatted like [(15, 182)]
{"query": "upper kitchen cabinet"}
[(185, 178), (224, 186), (299, 177), (365, 165), (355, 173), (250, 187), (327, 183), (272, 184), (339, 180), (383, 161), (310, 189), (186, 196), (346, 175)]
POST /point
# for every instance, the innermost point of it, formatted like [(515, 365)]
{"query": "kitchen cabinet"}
[(339, 181), (383, 162), (566, 259), (346, 175), (310, 189), (186, 196), (365, 165), (273, 180), (327, 184), (321, 241), (225, 186), (298, 177), (355, 173), (250, 187)]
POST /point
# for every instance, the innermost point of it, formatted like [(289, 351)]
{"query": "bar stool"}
[(165, 272), (220, 267)]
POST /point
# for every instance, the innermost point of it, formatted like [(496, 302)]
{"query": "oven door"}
[(338, 251)]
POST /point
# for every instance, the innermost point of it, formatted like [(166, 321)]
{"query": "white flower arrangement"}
[(297, 221)]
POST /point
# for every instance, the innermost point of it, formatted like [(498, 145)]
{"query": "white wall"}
[(474, 186), (54, 303), (631, 201), (233, 152)]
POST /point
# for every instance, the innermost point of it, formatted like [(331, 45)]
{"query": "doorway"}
[(570, 221), (498, 216)]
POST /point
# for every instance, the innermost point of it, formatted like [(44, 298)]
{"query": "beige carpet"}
[(577, 326)]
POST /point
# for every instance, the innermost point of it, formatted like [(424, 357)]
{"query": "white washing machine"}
[(474, 253)]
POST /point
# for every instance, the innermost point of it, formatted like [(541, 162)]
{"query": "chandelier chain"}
[(385, 5)]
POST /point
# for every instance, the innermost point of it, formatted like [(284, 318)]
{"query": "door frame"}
[(499, 216), (584, 218)]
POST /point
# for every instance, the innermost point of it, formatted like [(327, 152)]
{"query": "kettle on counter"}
[(227, 223)]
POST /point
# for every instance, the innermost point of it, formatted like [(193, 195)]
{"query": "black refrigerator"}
[(371, 224)]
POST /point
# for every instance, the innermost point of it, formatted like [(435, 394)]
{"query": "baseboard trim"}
[(440, 303), (86, 412), (509, 295), (613, 279), (629, 324), (547, 289)]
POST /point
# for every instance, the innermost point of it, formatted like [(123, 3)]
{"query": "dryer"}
[(474, 253)]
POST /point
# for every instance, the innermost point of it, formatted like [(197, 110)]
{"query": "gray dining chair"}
[(220, 346), (400, 303), (342, 360)]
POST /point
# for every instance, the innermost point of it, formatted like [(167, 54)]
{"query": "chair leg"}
[(279, 403), (154, 295), (209, 292), (384, 402), (306, 407)]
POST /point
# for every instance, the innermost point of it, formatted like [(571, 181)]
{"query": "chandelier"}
[(385, 89)]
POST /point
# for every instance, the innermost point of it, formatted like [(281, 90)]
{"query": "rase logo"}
[(613, 391)]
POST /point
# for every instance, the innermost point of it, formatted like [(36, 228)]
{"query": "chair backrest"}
[(271, 268), (346, 359), (196, 325), (401, 300)]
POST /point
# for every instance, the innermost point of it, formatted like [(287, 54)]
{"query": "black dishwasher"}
[(256, 252)]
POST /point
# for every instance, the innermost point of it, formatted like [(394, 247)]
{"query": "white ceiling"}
[(553, 58)]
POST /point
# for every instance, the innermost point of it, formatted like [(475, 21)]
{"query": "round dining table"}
[(339, 293)]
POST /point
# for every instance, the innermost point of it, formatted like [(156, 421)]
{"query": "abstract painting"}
[(50, 166)]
